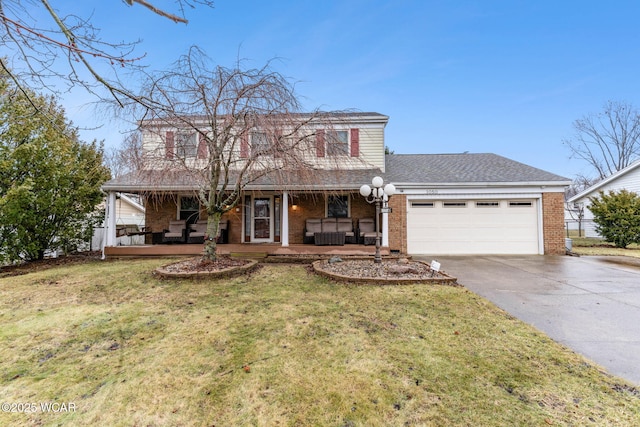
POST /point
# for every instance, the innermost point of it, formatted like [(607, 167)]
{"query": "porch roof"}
[(179, 180)]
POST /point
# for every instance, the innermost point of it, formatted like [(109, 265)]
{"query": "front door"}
[(262, 220)]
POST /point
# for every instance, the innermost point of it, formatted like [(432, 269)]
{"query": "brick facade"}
[(308, 206), (398, 223), (553, 223), (158, 212), (314, 206), (161, 210)]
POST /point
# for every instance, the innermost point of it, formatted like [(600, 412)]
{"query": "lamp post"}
[(378, 195)]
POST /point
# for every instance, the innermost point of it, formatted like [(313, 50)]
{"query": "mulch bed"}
[(193, 265), (199, 268), (387, 272)]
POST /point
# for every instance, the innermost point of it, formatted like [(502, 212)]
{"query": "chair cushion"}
[(345, 224), (199, 227), (329, 225), (314, 225), (170, 234), (177, 226), (366, 225)]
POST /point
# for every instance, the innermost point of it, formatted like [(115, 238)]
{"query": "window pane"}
[(487, 204), (261, 230), (338, 207), (186, 145), (337, 143), (189, 209), (454, 204), (261, 208), (259, 143)]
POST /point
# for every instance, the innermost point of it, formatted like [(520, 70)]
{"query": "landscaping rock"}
[(401, 269)]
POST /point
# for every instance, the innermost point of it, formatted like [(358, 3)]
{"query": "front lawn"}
[(593, 246), (282, 347)]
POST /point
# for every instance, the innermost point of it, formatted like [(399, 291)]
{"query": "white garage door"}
[(472, 227)]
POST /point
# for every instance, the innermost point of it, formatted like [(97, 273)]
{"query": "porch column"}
[(284, 232), (385, 229), (109, 237)]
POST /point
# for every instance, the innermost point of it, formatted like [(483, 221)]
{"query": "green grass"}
[(593, 246), (128, 349)]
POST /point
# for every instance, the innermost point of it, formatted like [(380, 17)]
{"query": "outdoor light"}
[(294, 207), (380, 196)]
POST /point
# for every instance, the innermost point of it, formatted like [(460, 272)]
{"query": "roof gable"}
[(609, 181)]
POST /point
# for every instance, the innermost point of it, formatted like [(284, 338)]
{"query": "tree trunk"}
[(211, 246)]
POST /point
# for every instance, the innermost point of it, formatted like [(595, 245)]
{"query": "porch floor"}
[(247, 248)]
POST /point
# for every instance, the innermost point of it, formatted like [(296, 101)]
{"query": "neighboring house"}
[(129, 221), (625, 179), (444, 204)]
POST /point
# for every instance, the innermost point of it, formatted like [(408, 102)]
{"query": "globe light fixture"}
[(380, 196)]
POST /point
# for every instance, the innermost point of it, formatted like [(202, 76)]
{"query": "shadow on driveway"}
[(589, 304)]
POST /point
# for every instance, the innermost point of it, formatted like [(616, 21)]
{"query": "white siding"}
[(372, 146), (629, 181)]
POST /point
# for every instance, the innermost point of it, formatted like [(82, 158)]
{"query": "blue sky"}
[(501, 76)]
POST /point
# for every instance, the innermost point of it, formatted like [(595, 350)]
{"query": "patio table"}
[(329, 238)]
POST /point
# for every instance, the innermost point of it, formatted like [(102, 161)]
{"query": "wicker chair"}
[(176, 233), (366, 231), (312, 226), (345, 225), (197, 231)]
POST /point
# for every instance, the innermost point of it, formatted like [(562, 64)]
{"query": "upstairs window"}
[(337, 142), (186, 145), (259, 144)]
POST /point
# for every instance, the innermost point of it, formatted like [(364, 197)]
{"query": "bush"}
[(617, 217)]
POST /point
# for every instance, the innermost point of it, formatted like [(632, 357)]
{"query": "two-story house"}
[(444, 203)]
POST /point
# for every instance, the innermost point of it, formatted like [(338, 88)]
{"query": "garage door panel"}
[(502, 229)]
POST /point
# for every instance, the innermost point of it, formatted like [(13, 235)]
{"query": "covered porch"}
[(242, 249), (271, 213), (266, 221)]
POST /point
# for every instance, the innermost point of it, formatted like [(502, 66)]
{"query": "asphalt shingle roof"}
[(428, 169), (462, 168)]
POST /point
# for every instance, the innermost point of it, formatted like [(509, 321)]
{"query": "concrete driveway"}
[(589, 304)]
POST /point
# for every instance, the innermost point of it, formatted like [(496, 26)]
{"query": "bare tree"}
[(68, 49), (221, 129), (576, 212), (609, 141), (579, 184), (127, 158)]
